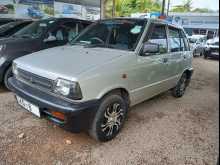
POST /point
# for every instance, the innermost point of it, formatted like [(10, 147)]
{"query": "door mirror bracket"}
[(50, 39)]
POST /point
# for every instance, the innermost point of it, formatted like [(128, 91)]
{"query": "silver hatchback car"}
[(114, 64)]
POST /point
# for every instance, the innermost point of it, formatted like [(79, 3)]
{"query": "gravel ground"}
[(161, 131)]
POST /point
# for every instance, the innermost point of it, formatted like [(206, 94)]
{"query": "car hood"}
[(66, 61)]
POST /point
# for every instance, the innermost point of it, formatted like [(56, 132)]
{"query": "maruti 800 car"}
[(111, 66)]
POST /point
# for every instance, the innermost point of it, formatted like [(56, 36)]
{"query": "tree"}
[(127, 7), (202, 10), (185, 7)]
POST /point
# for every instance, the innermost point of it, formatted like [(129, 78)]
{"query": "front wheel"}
[(109, 118), (7, 75), (180, 89)]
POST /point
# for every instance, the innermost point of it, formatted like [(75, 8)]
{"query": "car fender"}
[(112, 88)]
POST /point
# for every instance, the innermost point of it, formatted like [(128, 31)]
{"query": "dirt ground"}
[(161, 131)]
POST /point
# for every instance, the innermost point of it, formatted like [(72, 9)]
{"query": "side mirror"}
[(50, 39), (150, 48)]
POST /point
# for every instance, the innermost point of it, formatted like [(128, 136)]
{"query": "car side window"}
[(185, 41), (159, 36), (17, 28), (174, 40), (182, 42), (59, 33), (65, 32)]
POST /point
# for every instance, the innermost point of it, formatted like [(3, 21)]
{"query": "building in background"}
[(197, 23), (38, 9), (193, 23), (87, 10), (35, 9)]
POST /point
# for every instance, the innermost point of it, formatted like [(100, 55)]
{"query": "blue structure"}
[(30, 2)]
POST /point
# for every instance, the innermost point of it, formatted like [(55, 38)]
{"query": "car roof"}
[(146, 20), (68, 19)]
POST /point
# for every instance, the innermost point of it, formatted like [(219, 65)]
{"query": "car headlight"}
[(15, 69), (68, 89), (2, 47)]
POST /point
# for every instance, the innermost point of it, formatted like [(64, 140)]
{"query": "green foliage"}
[(186, 6), (202, 10), (126, 7), (49, 10)]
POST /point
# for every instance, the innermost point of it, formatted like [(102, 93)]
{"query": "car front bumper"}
[(78, 116), (214, 53)]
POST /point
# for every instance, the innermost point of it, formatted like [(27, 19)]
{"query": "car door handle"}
[(163, 60)]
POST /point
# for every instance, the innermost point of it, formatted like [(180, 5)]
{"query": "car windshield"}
[(8, 26), (35, 30), (116, 34)]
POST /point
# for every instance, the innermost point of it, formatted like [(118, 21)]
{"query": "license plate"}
[(28, 106)]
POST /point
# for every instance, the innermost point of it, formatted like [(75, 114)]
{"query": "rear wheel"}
[(109, 118), (194, 54), (180, 89), (7, 75)]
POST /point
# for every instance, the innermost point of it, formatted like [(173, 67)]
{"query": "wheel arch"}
[(189, 73), (118, 90)]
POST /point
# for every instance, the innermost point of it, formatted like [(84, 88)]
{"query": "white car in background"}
[(212, 48), (197, 44)]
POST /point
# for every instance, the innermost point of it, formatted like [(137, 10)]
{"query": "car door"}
[(151, 69), (186, 52), (176, 55)]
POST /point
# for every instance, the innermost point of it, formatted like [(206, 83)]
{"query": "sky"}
[(210, 4)]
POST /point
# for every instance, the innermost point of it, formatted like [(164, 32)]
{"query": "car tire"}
[(202, 53), (181, 86), (194, 54), (206, 53), (7, 75), (109, 118)]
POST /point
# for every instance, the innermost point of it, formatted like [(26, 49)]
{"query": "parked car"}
[(35, 12), (111, 66), (3, 9), (39, 35), (212, 48), (7, 20), (197, 44), (11, 28)]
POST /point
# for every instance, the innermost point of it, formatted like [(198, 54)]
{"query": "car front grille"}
[(216, 50), (35, 80)]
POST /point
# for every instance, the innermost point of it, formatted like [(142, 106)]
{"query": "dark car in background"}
[(7, 20), (39, 35), (11, 28)]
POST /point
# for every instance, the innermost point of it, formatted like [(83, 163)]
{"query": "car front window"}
[(35, 30), (116, 34), (7, 26)]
